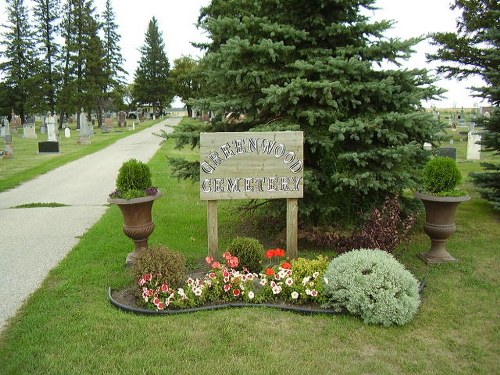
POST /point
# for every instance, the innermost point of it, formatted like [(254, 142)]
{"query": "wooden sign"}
[(251, 165)]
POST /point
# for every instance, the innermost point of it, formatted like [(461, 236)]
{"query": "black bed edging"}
[(299, 309), (142, 311)]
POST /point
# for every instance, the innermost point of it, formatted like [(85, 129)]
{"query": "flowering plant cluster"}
[(223, 283)]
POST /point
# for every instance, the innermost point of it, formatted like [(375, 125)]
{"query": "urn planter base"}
[(439, 225)]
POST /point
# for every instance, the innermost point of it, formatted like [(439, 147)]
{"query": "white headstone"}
[(473, 148), (85, 130), (51, 128), (67, 133), (427, 146)]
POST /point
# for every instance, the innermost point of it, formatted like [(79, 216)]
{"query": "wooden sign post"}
[(252, 166)]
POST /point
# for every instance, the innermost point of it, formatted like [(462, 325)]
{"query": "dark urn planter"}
[(439, 225), (138, 223)]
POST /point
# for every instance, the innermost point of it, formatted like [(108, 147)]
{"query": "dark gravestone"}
[(48, 147), (8, 138), (450, 152)]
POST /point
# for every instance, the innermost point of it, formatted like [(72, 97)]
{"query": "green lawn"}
[(27, 163), (69, 327)]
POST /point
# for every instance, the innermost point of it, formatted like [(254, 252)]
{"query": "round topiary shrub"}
[(159, 260), (133, 176), (373, 285), (249, 252), (441, 175)]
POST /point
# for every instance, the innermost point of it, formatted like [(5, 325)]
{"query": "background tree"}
[(474, 50), (46, 17), (83, 57), (19, 58), (186, 80), (113, 59), (151, 81), (316, 66)]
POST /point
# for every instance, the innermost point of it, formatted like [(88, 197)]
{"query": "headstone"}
[(29, 128), (51, 128), (84, 130), (5, 128), (9, 150), (427, 146), (67, 133), (122, 118), (450, 152), (473, 148), (48, 147), (108, 124)]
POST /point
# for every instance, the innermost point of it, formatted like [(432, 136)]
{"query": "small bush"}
[(441, 175), (373, 285), (160, 260), (249, 251), (303, 267), (133, 175)]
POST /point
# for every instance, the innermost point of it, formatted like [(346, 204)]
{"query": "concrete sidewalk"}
[(34, 240)]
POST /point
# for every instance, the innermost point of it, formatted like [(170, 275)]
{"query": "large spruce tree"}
[(474, 50), (320, 66), (18, 58), (151, 81), (46, 16)]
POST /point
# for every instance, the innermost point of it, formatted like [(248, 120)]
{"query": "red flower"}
[(164, 287), (269, 253), (279, 252), (236, 292), (286, 266), (148, 277), (161, 306), (270, 272), (151, 292)]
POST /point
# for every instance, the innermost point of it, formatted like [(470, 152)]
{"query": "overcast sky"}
[(177, 21)]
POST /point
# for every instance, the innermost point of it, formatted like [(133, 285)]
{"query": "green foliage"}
[(160, 260), (441, 175), (474, 50), (249, 251), (133, 177), (151, 79), (374, 285), (314, 66), (303, 267)]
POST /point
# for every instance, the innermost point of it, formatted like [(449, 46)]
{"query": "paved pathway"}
[(34, 240)]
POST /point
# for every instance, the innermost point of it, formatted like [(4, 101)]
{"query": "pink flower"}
[(164, 288), (151, 292), (226, 255), (314, 293), (209, 260), (161, 306), (233, 262), (142, 282), (216, 265), (212, 275), (156, 301), (227, 287), (148, 277)]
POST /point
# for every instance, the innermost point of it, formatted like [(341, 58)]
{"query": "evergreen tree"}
[(316, 66), (83, 56), (186, 79), (46, 15), (112, 56), (151, 81), (475, 50), (19, 58)]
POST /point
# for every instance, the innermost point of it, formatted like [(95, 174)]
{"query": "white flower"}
[(326, 280), (305, 280), (289, 281), (295, 295), (315, 274), (181, 292), (276, 289), (251, 295), (308, 292), (314, 293), (197, 291), (263, 281)]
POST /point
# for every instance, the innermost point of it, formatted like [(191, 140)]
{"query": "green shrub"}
[(373, 285), (160, 260), (133, 176), (303, 267), (441, 175), (249, 251)]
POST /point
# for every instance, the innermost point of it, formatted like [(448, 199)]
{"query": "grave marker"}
[(473, 148)]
